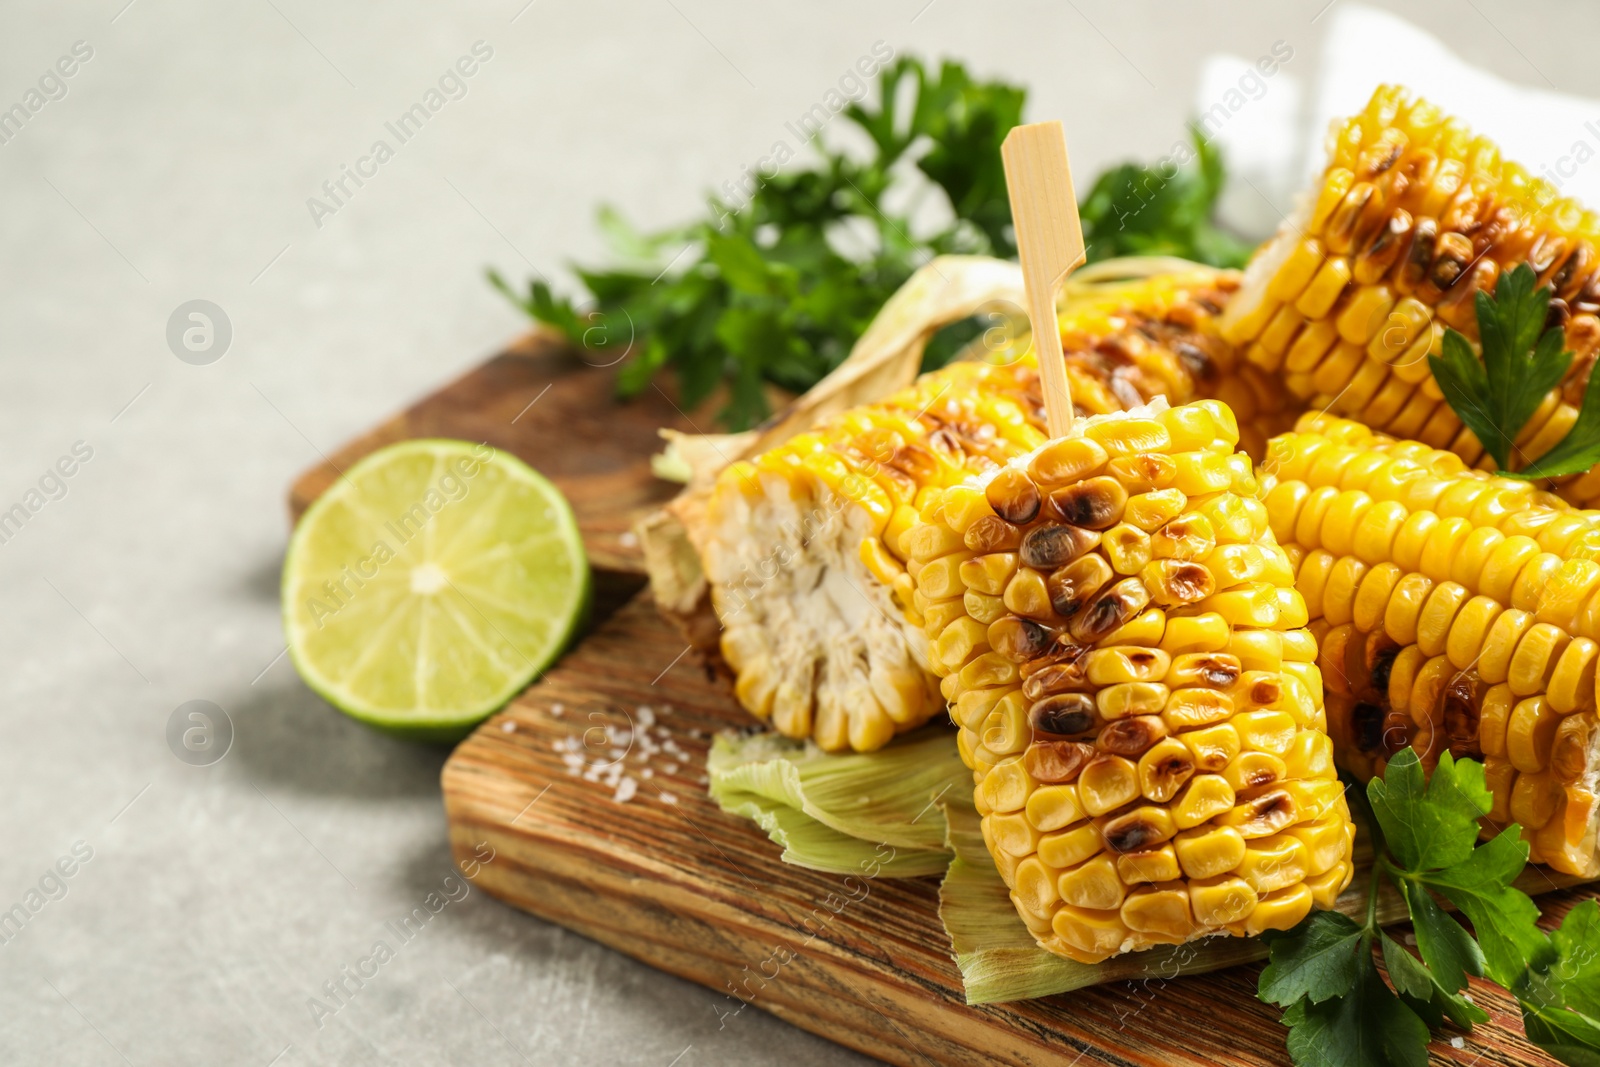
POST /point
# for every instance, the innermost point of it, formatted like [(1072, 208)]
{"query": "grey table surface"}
[(216, 901)]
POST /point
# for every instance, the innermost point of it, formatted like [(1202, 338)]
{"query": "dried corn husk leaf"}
[(839, 812)]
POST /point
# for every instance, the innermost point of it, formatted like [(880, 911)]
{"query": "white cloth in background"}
[(1276, 145)]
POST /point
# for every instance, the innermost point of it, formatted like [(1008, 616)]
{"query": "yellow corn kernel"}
[(965, 505), (1530, 734), (940, 578), (1005, 788), (1223, 899), (1535, 658), (1208, 632), (989, 573), (1070, 460), (1572, 682), (1280, 910), (1494, 659), (1214, 747), (1272, 863), (1068, 848), (1132, 698), (1086, 935), (1106, 783), (1092, 884), (1161, 910), (1126, 663), (1012, 834), (1325, 286), (1034, 887), (1209, 851), (1204, 797), (1053, 807), (1151, 865)]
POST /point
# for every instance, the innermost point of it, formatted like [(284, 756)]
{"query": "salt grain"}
[(668, 798), (646, 772), (671, 768), (625, 790), (628, 539), (557, 710), (1458, 1042), (509, 727)]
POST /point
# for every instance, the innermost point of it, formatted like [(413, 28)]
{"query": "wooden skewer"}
[(1044, 210)]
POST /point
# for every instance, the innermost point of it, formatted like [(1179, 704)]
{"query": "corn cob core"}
[(804, 557), (1125, 655), (1455, 612), (1414, 215)]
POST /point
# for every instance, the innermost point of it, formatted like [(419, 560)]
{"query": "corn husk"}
[(836, 812)]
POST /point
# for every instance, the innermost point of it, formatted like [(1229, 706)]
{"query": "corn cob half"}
[(1413, 216), (1125, 655), (809, 577), (1454, 612)]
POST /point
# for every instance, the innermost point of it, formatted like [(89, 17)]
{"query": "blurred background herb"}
[(775, 290)]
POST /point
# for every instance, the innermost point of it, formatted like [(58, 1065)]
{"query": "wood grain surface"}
[(703, 895), (544, 402)]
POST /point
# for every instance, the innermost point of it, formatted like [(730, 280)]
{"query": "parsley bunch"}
[(776, 289), (1522, 361), (1339, 1010)]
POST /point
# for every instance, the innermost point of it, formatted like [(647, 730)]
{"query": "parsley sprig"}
[(775, 284), (1522, 361), (1324, 973)]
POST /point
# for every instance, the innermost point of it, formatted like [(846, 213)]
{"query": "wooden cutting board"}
[(665, 877)]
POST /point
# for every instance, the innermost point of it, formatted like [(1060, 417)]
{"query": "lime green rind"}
[(570, 611)]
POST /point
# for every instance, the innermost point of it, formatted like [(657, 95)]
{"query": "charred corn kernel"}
[(1154, 671)]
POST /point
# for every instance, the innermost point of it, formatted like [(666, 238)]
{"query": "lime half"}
[(430, 584)]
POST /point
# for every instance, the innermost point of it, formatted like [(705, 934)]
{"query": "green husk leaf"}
[(830, 811)]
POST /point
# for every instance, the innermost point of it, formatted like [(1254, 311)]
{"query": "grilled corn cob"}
[(1413, 216), (1125, 655), (808, 572), (1454, 612)]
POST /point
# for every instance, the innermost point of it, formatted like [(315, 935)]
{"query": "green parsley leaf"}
[(1368, 1027), (1316, 960), (1580, 448), (1576, 971), (1165, 210), (1429, 823), (1430, 994), (1505, 919), (1451, 952), (1522, 361), (1569, 1036)]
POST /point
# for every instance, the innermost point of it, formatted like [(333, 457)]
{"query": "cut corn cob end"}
[(1414, 216), (1125, 656), (1455, 612), (806, 554)]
